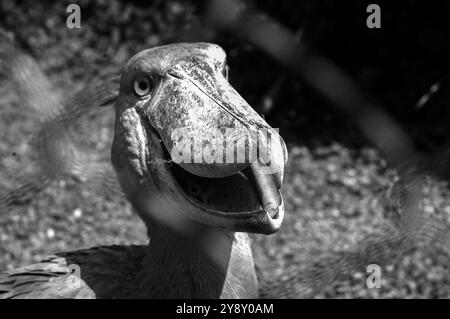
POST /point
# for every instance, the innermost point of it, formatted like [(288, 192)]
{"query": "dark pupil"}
[(142, 85)]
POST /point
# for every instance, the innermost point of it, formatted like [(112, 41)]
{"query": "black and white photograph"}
[(239, 150)]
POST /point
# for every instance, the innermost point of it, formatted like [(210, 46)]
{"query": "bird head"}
[(185, 137)]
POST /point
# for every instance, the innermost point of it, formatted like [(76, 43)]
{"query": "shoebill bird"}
[(197, 211)]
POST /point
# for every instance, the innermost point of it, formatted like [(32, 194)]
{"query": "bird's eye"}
[(142, 86)]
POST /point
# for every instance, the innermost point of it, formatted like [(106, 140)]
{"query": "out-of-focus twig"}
[(268, 99)]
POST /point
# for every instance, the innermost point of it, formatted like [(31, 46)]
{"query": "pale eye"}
[(142, 86)]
